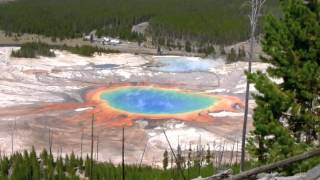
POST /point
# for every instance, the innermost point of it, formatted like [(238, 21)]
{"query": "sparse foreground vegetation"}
[(36, 49), (29, 165)]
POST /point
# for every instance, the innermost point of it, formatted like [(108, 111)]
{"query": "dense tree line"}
[(217, 21), (36, 49)]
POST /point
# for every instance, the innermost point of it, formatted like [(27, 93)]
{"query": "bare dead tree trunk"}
[(13, 128), (81, 143), (91, 155), (221, 155), (97, 148), (123, 169), (218, 156), (213, 155), (231, 156), (50, 141), (60, 150), (237, 151), (175, 157), (198, 158), (171, 162), (256, 6), (144, 150)]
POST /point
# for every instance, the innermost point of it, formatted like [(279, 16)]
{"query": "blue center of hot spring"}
[(147, 100)]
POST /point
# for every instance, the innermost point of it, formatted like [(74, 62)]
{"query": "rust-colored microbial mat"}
[(121, 104)]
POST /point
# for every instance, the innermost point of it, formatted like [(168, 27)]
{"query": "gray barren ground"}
[(29, 86)]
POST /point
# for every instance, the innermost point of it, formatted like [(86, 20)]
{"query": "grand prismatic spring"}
[(154, 101), (122, 104)]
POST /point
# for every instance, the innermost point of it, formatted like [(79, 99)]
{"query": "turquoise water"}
[(146, 100), (181, 64), (106, 66)]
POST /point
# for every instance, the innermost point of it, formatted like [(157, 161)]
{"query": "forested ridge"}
[(216, 21)]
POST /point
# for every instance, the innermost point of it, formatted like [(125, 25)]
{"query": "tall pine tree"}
[(286, 118)]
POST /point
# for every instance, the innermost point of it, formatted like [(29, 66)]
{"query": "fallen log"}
[(278, 164), (220, 176), (311, 173)]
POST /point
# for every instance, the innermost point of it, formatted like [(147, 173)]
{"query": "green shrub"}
[(36, 49), (33, 50)]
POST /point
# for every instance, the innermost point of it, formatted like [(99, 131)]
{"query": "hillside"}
[(217, 21)]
